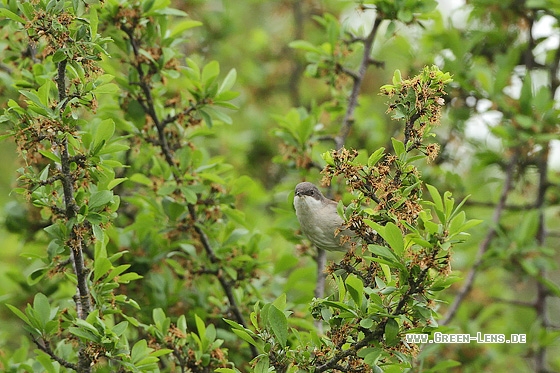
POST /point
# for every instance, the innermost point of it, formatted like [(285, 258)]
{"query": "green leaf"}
[(161, 321), (242, 184), (104, 131), (86, 334), (11, 15), (200, 327), (445, 365), (397, 77), (118, 270), (140, 351), (398, 146), (435, 196), (37, 275), (172, 209), (448, 202), (370, 355), (182, 27), (341, 306), (438, 202), (218, 115), (470, 223), (19, 314), (306, 46), (328, 158), (366, 323), (391, 332), (113, 183), (108, 88), (34, 98), (100, 198), (280, 302), (262, 364), (141, 179), (50, 155), (228, 82), (279, 324), (355, 288), (46, 362), (209, 72), (43, 308), (127, 277), (120, 328), (93, 21), (550, 285), (386, 256), (244, 336), (206, 117), (101, 267), (168, 12), (375, 157), (405, 15), (394, 238), (526, 97), (44, 92), (387, 272)]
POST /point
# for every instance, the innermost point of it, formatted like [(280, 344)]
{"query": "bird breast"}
[(319, 222)]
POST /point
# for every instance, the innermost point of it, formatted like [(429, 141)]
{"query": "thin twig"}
[(46, 348), (148, 106), (542, 291), (376, 63), (321, 260), (172, 118), (350, 73), (514, 302), (509, 207), (82, 298), (67, 180), (353, 99), (485, 245), (298, 67)]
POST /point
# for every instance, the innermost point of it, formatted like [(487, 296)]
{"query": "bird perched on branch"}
[(319, 219)]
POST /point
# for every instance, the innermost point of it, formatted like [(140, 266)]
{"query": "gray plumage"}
[(318, 218)]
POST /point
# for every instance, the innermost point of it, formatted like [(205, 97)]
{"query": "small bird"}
[(319, 218)]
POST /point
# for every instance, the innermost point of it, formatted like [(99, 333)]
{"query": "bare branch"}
[(82, 298), (46, 348), (349, 72), (485, 245), (376, 63), (508, 207), (321, 260), (514, 302), (172, 118), (542, 290), (353, 99), (148, 106)]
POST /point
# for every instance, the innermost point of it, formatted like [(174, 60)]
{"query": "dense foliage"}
[(157, 146)]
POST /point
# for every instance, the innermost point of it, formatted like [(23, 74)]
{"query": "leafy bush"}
[(156, 216)]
